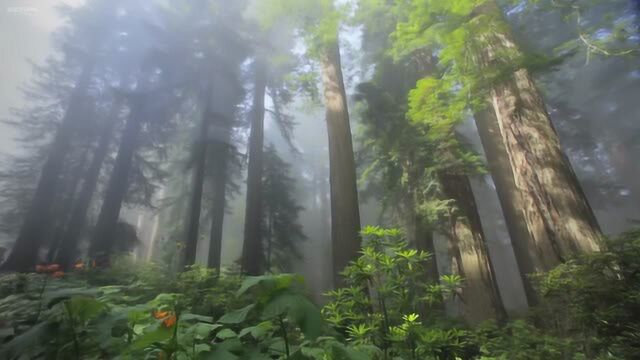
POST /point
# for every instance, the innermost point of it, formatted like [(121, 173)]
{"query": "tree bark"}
[(105, 230), (195, 202), (252, 248), (38, 218), (76, 223), (221, 151), (553, 206), (64, 212), (345, 214), (509, 197), (468, 248)]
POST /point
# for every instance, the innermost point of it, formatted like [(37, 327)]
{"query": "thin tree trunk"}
[(345, 213), (480, 295), (269, 238), (558, 217), (195, 201), (156, 225), (68, 247), (105, 230), (33, 231), (252, 251), (221, 151)]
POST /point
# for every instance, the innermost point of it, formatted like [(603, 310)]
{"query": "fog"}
[(169, 54)]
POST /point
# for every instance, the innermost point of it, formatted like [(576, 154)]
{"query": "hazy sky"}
[(25, 34)]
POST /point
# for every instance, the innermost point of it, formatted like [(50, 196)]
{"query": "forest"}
[(323, 180)]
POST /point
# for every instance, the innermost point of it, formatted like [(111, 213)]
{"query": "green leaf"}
[(158, 335), (54, 297), (27, 341), (298, 309), (199, 318), (218, 354), (203, 330), (237, 316), (226, 334), (85, 308), (257, 331)]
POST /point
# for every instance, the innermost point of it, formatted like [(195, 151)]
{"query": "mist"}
[(454, 159)]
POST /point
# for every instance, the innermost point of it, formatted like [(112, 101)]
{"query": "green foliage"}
[(280, 224), (387, 310), (387, 302), (595, 298)]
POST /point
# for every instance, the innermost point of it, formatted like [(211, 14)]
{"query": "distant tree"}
[(320, 22), (81, 41), (282, 233)]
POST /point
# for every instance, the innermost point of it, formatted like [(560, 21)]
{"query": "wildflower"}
[(160, 314), (53, 268), (79, 265), (168, 318), (170, 321), (41, 268), (58, 274)]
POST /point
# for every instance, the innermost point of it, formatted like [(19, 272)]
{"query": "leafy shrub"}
[(595, 299), (387, 302)]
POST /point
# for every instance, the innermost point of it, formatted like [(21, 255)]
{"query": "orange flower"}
[(168, 318), (160, 314), (79, 265), (41, 268), (170, 321), (53, 268), (58, 274)]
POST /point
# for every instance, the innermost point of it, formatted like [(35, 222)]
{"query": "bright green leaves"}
[(387, 290)]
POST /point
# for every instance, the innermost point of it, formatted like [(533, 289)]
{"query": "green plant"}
[(387, 301), (595, 299)]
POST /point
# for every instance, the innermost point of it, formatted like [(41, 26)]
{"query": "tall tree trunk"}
[(221, 151), (64, 212), (558, 217), (480, 295), (105, 230), (509, 197), (38, 218), (68, 247), (199, 160), (345, 213), (418, 232), (252, 249)]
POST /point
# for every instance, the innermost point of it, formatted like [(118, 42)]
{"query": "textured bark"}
[(76, 224), (38, 218), (105, 230), (470, 257), (345, 213), (558, 217), (252, 248), (424, 241), (418, 232), (199, 160), (221, 151), (509, 197)]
